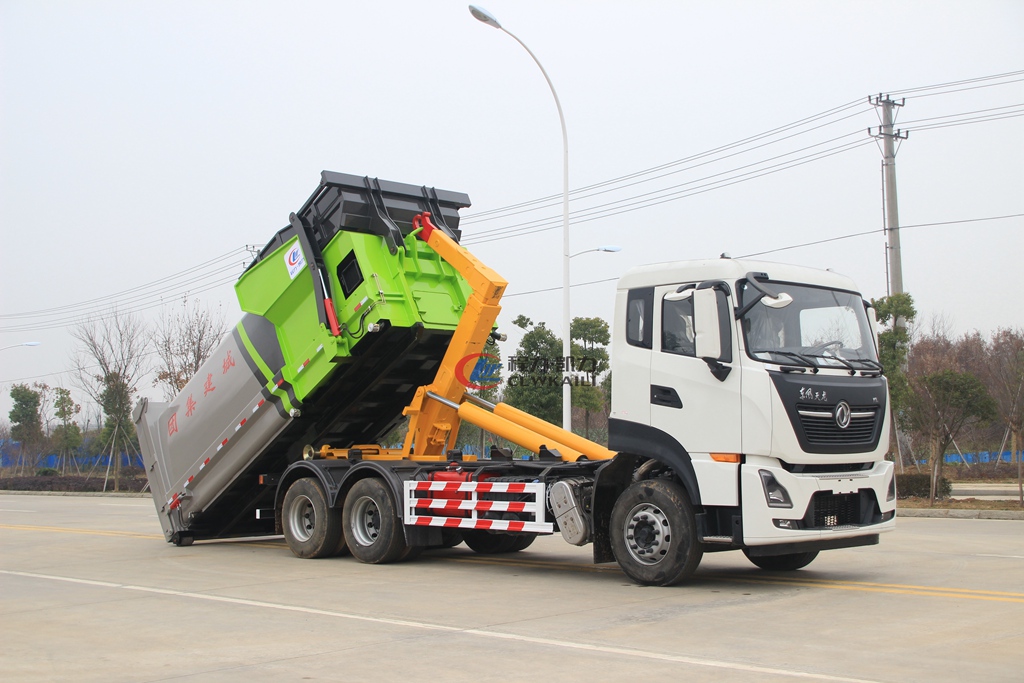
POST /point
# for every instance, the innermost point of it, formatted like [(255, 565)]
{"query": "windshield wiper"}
[(846, 362), (873, 364), (793, 354)]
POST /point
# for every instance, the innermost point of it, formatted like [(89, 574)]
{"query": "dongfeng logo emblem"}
[(842, 415)]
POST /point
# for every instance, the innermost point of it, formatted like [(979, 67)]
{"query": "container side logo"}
[(295, 261), (486, 372)]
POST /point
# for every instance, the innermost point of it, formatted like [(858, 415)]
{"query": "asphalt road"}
[(89, 591)]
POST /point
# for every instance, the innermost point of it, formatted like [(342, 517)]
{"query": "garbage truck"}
[(749, 410)]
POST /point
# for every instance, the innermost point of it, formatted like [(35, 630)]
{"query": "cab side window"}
[(639, 310), (677, 334)]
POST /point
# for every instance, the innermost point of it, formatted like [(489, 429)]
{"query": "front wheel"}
[(654, 533), (372, 526), (312, 528), (782, 563)]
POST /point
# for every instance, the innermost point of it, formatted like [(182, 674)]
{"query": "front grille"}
[(830, 510), (820, 426)]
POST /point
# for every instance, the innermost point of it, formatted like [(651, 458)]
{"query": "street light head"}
[(483, 15), (610, 247)]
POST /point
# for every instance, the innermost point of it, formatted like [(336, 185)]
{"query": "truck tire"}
[(486, 543), (450, 538), (311, 527), (654, 533), (372, 526), (782, 563)]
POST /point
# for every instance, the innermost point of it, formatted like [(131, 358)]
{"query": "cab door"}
[(696, 403)]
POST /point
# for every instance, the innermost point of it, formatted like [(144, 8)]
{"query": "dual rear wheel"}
[(368, 526)]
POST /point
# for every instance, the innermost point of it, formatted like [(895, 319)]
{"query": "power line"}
[(714, 185), (882, 230), (965, 81), (141, 306), (469, 219), (553, 289), (135, 291), (794, 246)]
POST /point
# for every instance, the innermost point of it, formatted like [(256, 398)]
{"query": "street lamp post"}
[(486, 17), (14, 346)]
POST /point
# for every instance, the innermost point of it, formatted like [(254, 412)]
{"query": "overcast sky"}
[(140, 140)]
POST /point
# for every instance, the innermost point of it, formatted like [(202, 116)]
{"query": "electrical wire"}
[(793, 246), (552, 223), (134, 290), (469, 219), (112, 312), (882, 230)]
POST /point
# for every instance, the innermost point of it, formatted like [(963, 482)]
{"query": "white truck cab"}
[(759, 384)]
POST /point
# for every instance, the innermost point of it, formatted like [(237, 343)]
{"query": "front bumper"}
[(825, 506)]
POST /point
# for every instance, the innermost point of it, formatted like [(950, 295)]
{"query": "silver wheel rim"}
[(301, 518), (647, 533), (365, 521)]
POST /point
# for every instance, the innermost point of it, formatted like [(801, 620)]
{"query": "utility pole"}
[(892, 219)]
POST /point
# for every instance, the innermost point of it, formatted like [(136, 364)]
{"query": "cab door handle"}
[(665, 396)]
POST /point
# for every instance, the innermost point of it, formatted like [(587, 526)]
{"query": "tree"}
[(590, 340), (184, 339), (893, 345), (108, 366), (1003, 374), (535, 385), (944, 398), (26, 422), (491, 369), (66, 436)]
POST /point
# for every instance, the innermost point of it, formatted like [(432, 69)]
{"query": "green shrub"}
[(46, 472), (920, 486)]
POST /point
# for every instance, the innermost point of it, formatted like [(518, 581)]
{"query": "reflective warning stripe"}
[(482, 505), (485, 524), (469, 486), (464, 513)]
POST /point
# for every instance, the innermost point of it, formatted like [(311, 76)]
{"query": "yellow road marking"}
[(863, 586), (70, 530)]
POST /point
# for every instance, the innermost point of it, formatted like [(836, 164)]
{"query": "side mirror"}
[(708, 338), (679, 296), (712, 326), (781, 301)]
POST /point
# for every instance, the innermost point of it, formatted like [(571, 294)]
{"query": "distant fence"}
[(84, 462), (982, 457)]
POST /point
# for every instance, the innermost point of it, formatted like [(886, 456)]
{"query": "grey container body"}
[(195, 446)]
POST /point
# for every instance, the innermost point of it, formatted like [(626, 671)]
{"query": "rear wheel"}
[(450, 538), (486, 543), (311, 528), (782, 563), (372, 526), (654, 534)]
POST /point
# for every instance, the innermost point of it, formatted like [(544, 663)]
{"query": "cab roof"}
[(728, 269)]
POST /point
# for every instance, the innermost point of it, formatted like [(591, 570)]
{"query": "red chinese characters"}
[(229, 363), (190, 406), (172, 425), (208, 387)]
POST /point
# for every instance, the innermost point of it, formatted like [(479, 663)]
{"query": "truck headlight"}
[(774, 492)]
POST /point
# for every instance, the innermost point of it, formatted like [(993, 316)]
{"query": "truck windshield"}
[(821, 327)]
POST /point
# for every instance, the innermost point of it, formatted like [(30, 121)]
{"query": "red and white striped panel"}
[(491, 524), (482, 505), (473, 505), (471, 486)]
